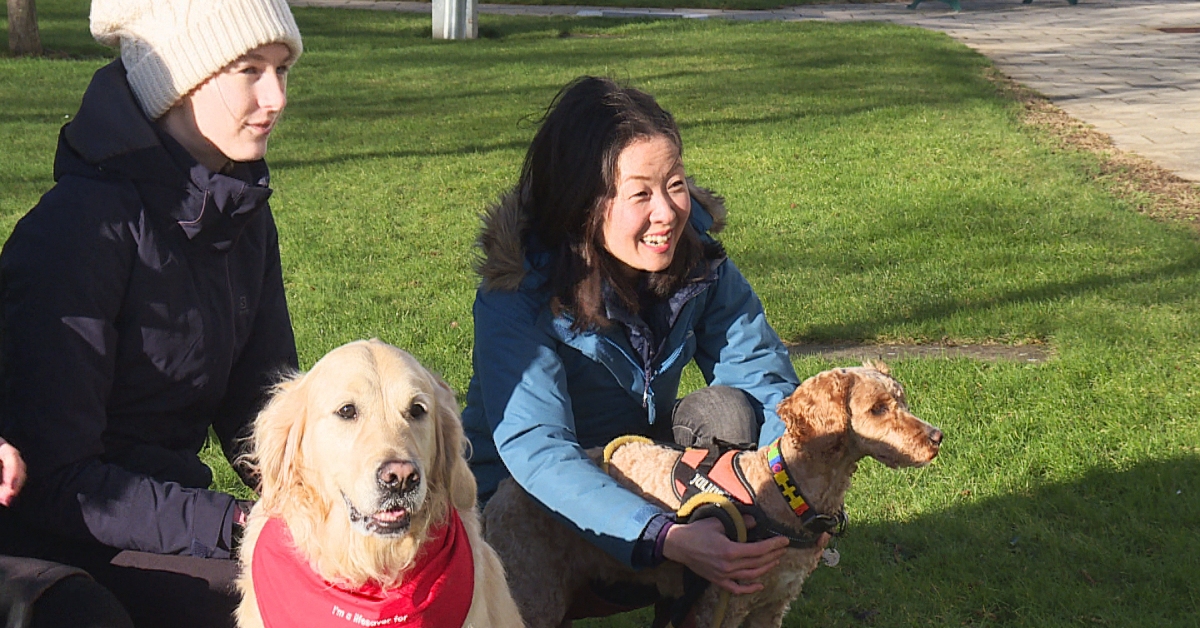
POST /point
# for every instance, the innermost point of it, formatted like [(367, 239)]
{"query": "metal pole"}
[(455, 19)]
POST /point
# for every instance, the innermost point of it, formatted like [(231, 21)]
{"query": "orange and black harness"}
[(717, 471), (710, 483)]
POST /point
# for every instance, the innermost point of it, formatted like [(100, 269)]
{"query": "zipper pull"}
[(646, 389)]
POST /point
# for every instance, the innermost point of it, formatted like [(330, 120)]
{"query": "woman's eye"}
[(348, 412)]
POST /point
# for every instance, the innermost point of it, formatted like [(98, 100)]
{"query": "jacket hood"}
[(111, 134), (501, 264)]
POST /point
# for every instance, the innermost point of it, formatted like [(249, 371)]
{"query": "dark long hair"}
[(567, 180)]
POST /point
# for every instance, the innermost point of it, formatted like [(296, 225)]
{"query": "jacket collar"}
[(219, 203)]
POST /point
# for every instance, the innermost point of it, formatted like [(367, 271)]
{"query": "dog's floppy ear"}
[(878, 365), (820, 406), (278, 431), (450, 467)]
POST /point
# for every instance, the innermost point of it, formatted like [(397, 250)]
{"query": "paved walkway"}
[(1115, 64)]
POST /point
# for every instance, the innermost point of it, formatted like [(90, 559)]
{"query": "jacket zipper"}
[(648, 373)]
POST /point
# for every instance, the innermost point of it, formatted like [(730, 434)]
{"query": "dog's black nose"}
[(400, 476), (936, 436)]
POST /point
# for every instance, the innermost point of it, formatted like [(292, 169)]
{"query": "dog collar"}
[(783, 479), (811, 520), (436, 591)]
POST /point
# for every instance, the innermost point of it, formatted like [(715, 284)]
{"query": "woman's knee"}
[(715, 412), (78, 602)]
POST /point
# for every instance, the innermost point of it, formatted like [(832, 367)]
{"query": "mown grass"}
[(740, 5), (879, 190)]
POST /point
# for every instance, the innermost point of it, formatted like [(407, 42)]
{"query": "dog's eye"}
[(417, 410), (879, 409), (348, 412)]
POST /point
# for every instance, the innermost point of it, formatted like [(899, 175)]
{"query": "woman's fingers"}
[(12, 473), (703, 547)]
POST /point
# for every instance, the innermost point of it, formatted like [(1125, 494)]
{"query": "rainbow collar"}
[(811, 520), (783, 479)]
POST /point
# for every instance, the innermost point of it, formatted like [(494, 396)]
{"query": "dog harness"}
[(716, 471), (436, 591), (710, 483)]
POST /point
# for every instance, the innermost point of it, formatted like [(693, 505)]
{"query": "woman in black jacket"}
[(142, 303)]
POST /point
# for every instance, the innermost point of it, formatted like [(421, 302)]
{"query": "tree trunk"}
[(23, 38)]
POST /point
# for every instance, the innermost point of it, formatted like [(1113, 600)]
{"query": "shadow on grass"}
[(1114, 548), (1048, 292), (397, 154), (793, 74)]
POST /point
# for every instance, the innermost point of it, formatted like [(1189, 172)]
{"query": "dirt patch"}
[(857, 352), (1151, 189)]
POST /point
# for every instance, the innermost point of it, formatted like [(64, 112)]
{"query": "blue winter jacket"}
[(542, 393), (141, 304)]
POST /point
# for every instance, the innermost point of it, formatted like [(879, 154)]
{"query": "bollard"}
[(455, 19)]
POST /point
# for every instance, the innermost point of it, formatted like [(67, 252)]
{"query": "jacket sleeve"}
[(62, 282), (528, 406), (269, 353), (735, 346)]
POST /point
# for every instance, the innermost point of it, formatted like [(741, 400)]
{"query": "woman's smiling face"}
[(645, 219)]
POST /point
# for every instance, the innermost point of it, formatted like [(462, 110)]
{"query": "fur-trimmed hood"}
[(501, 263)]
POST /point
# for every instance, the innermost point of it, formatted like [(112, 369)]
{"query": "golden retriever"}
[(833, 420), (362, 480)]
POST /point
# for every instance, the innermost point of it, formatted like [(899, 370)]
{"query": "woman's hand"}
[(736, 567), (12, 473)]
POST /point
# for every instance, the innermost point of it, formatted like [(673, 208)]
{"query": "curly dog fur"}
[(833, 420)]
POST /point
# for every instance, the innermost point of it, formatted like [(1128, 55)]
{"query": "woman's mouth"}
[(657, 241), (262, 128)]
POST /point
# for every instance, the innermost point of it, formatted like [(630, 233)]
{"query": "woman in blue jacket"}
[(142, 304), (600, 281)]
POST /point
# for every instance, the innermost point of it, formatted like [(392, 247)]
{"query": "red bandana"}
[(436, 592)]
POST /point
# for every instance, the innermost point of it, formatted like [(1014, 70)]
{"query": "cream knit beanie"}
[(171, 46)]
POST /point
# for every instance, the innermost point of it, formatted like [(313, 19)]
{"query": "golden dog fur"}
[(833, 419), (314, 463)]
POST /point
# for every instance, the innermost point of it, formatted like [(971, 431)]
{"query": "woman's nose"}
[(272, 93), (663, 210)]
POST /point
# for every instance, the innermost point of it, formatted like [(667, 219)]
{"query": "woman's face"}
[(236, 108), (644, 221)]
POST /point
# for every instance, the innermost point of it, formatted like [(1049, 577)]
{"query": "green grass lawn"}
[(759, 5), (879, 190)]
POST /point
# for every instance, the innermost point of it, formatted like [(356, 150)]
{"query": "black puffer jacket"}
[(141, 301)]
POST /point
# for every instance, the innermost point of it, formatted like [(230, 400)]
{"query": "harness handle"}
[(699, 506), (703, 506), (616, 443)]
